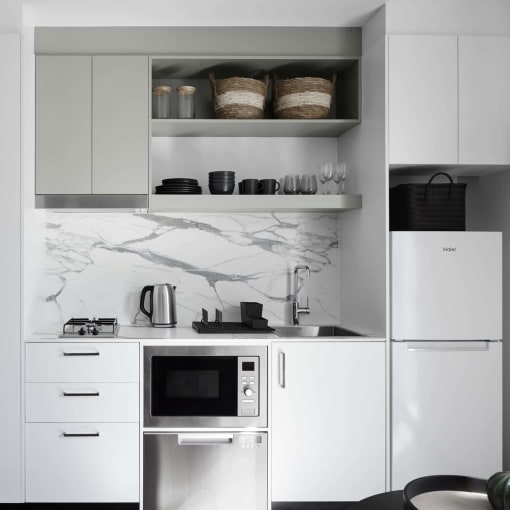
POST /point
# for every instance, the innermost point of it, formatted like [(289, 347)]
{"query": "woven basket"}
[(428, 206), (303, 98), (239, 98)]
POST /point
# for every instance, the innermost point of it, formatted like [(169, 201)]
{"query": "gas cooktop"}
[(83, 327)]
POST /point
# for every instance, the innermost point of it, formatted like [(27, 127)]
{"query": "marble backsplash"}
[(97, 263)]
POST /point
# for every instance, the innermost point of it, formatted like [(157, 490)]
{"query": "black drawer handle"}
[(81, 354), (92, 434), (83, 394)]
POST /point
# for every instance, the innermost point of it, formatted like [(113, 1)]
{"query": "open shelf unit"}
[(279, 54), (254, 203), (251, 128)]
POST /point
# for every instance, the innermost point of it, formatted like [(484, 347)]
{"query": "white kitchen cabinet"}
[(484, 100), (328, 420), (82, 402), (92, 122), (82, 362), (422, 99), (92, 462), (82, 422)]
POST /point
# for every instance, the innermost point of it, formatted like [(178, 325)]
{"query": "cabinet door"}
[(328, 420), (120, 134), (484, 100), (423, 118), (92, 462), (63, 125)]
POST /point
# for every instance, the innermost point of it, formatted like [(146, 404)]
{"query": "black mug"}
[(269, 186), (249, 187)]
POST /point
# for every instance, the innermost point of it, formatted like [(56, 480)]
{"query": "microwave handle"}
[(204, 439), (281, 369)]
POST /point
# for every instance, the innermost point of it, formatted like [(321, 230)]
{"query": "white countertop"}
[(148, 334)]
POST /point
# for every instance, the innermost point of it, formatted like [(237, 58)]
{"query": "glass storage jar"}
[(161, 102), (186, 102)]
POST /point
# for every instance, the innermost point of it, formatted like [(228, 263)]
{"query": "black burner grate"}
[(81, 326)]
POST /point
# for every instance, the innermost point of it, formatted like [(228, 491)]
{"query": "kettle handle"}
[(147, 288)]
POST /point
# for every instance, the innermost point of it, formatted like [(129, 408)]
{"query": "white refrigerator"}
[(446, 354)]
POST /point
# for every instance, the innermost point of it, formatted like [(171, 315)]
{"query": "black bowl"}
[(222, 174), (217, 188)]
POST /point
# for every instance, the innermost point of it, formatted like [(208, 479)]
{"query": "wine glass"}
[(325, 174), (339, 176)]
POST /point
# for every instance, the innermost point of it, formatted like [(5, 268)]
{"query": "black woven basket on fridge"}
[(428, 206)]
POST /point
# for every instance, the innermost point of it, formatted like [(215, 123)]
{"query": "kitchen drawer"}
[(82, 402), (82, 362), (98, 468)]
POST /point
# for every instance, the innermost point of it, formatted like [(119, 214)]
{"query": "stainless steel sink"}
[(313, 331)]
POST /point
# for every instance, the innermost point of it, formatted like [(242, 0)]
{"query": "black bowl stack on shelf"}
[(222, 182), (179, 186)]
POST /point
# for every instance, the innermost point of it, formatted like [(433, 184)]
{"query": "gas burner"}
[(80, 327)]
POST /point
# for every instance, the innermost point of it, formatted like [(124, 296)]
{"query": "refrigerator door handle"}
[(451, 347)]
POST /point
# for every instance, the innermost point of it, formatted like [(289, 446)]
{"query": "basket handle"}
[(266, 83), (433, 177), (275, 95), (333, 81), (213, 86)]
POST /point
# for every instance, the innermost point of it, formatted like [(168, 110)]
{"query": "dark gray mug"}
[(249, 187), (269, 186)]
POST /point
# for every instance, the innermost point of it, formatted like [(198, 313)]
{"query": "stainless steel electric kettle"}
[(161, 305)]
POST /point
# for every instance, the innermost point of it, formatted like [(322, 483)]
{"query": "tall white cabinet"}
[(10, 271), (448, 100), (328, 420)]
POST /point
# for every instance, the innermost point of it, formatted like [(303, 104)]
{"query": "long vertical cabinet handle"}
[(281, 369)]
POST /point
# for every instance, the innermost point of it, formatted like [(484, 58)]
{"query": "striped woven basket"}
[(303, 98), (239, 98)]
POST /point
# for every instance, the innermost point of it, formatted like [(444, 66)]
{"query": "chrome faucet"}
[(296, 308)]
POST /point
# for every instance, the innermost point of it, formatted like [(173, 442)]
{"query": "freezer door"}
[(446, 285), (446, 409), (213, 470)]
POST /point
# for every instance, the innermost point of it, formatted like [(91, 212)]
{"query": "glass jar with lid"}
[(186, 102), (161, 102)]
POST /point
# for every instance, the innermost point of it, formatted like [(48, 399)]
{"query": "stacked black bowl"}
[(222, 182), (179, 186)]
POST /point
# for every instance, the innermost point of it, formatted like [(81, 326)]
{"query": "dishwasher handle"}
[(190, 439)]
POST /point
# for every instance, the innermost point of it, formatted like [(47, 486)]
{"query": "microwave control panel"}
[(248, 386)]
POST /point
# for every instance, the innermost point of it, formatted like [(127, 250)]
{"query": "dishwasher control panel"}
[(248, 386)]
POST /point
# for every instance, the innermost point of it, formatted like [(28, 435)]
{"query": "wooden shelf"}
[(252, 128), (254, 203)]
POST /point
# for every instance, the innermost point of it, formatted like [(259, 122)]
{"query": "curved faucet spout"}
[(296, 308)]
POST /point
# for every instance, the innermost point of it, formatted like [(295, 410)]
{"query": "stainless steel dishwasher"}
[(205, 470)]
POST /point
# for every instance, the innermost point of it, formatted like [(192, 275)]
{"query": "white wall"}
[(11, 487), (363, 233)]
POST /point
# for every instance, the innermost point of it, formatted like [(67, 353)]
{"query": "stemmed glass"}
[(339, 177), (326, 171)]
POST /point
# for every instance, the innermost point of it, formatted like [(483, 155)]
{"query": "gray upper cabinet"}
[(63, 125), (120, 120), (92, 121)]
